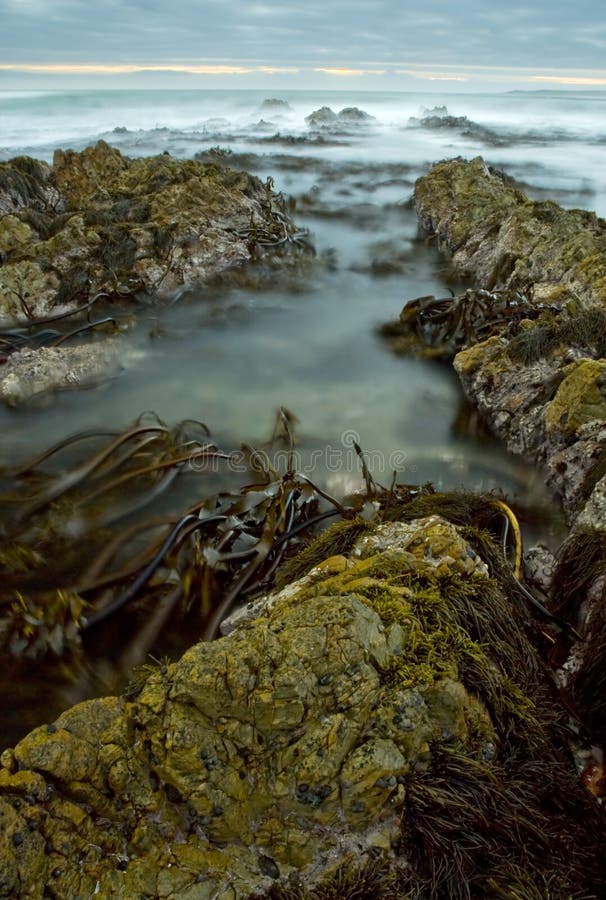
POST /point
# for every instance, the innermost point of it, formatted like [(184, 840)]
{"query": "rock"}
[(438, 118), (580, 397), (273, 104), (321, 118), (361, 723), (26, 183), (503, 240), (353, 115), (29, 373), (98, 221), (539, 381)]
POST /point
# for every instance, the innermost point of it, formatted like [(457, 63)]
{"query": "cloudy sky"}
[(382, 44)]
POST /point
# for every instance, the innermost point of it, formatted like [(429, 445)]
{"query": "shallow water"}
[(232, 357)]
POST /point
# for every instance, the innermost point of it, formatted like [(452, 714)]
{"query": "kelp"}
[(440, 327), (68, 567), (581, 561), (579, 593), (59, 530), (506, 819), (31, 333), (373, 880)]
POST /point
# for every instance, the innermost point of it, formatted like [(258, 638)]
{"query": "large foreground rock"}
[(380, 728)]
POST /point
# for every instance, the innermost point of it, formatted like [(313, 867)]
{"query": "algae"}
[(296, 757)]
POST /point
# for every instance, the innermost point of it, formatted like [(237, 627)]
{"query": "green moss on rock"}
[(98, 221), (361, 704), (580, 398)]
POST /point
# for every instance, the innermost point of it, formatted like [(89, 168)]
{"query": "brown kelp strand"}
[(30, 333), (31, 322), (63, 501), (146, 573), (442, 326), (63, 549)]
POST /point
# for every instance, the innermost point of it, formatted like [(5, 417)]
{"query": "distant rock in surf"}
[(353, 114), (273, 104), (326, 118), (322, 117), (439, 118)]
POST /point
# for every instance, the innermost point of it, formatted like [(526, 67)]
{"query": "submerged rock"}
[(29, 373), (359, 729)]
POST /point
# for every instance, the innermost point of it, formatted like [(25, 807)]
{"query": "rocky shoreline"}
[(397, 718), (528, 346), (99, 228)]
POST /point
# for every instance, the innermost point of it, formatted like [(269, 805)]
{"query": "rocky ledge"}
[(97, 224), (529, 345), (381, 727)]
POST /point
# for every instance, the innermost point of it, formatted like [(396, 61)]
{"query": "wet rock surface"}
[(97, 223), (439, 118), (529, 347), (359, 730), (529, 344)]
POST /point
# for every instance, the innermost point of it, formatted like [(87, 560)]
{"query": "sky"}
[(374, 44)]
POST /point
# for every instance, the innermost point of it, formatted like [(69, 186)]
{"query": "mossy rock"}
[(385, 706), (580, 398), (100, 222), (504, 240)]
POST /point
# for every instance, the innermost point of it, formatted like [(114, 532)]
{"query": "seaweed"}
[(581, 561), (336, 540), (440, 327), (372, 879), (585, 329), (473, 829)]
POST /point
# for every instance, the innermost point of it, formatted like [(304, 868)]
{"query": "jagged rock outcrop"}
[(501, 239), (359, 729), (529, 346), (98, 221), (438, 118)]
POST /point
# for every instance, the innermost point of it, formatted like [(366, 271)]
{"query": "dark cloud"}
[(548, 34)]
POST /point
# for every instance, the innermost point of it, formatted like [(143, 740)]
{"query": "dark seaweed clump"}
[(585, 330), (580, 574)]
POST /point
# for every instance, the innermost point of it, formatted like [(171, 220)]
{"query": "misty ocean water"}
[(231, 356), (232, 359)]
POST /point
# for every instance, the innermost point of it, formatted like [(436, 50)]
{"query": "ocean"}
[(231, 357)]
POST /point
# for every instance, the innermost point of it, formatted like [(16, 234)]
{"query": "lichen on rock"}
[(528, 342), (108, 223), (315, 739)]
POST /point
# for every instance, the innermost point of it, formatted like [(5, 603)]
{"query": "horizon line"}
[(423, 72)]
